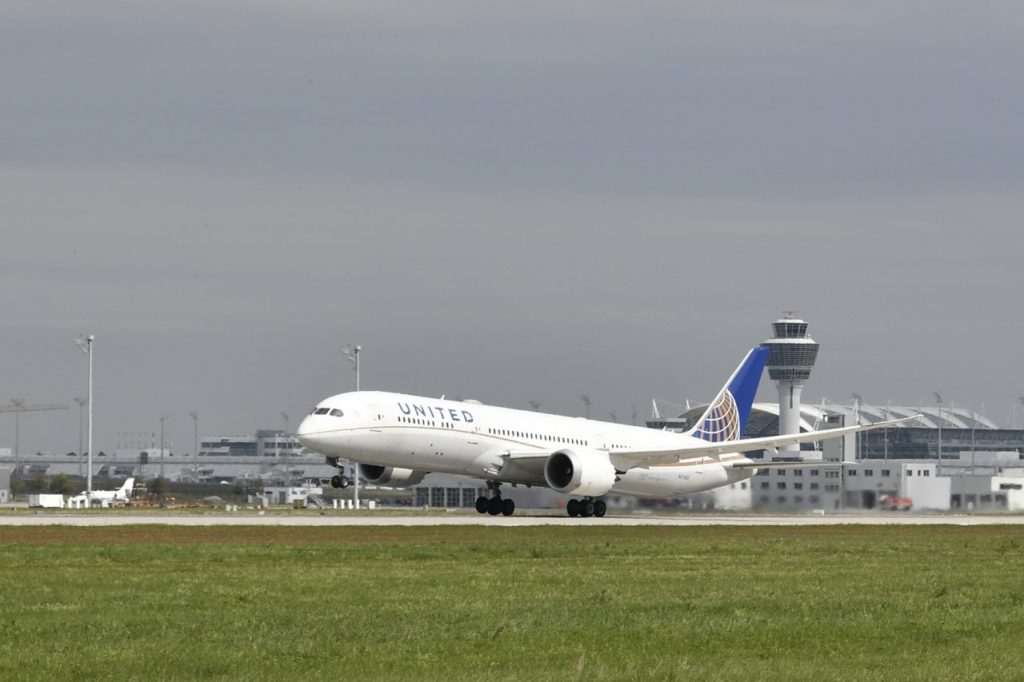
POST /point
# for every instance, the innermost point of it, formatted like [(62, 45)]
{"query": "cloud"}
[(511, 202)]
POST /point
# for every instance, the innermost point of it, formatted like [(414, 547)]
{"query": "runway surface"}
[(100, 518)]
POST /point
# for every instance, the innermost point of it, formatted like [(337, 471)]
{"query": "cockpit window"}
[(337, 413), (321, 410)]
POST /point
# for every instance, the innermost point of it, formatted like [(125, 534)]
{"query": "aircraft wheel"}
[(339, 481), (508, 507), (481, 504), (573, 507), (586, 508), (600, 507), (494, 506)]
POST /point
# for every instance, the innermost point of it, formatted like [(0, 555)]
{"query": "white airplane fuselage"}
[(499, 444), (122, 494)]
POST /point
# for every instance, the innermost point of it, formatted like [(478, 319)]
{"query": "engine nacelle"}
[(396, 477), (588, 474)]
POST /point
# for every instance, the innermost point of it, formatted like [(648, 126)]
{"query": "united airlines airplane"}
[(397, 439)]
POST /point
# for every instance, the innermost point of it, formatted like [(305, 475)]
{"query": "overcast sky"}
[(509, 202)]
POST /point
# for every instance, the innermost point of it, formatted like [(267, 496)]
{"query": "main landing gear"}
[(586, 507), (495, 504)]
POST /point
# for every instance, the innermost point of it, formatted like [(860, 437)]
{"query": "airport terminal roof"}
[(764, 416)]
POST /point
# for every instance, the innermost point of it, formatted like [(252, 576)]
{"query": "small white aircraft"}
[(105, 498), (397, 439)]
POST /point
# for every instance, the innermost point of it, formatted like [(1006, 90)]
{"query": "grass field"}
[(465, 603)]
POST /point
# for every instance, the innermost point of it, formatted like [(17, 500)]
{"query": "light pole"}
[(586, 403), (283, 453), (195, 444), (85, 344), (163, 418), (857, 403), (81, 409), (17, 402), (938, 401), (352, 353), (886, 433), (1019, 401)]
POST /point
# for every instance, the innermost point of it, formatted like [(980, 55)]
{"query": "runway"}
[(405, 518)]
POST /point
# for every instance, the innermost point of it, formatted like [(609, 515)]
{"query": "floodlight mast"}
[(352, 353), (17, 403), (85, 344), (81, 409), (163, 418), (859, 441), (282, 452), (195, 444)]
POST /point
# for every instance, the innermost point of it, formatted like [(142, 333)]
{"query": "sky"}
[(510, 202)]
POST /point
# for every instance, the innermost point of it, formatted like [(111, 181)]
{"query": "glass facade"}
[(923, 443), (446, 497), (789, 329), (264, 444), (791, 361)]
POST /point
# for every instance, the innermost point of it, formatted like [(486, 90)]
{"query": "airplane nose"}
[(307, 433)]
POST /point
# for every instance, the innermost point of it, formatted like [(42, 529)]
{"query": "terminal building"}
[(272, 456), (949, 458), (960, 448)]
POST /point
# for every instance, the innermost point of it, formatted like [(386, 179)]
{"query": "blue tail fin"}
[(727, 415)]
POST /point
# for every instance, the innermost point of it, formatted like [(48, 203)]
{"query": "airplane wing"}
[(628, 459)]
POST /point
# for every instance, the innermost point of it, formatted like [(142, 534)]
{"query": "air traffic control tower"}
[(791, 356)]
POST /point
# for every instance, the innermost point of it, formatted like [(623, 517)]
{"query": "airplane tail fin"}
[(126, 488), (727, 414)]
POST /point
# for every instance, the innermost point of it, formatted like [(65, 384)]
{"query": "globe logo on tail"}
[(721, 422)]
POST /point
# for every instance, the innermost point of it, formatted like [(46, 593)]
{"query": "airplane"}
[(397, 439), (104, 497)]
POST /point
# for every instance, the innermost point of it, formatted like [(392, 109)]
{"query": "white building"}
[(1012, 486), (922, 484), (5, 484)]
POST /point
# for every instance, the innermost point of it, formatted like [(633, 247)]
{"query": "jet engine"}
[(589, 474), (396, 477)]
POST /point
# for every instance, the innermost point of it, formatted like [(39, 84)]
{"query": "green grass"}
[(465, 603)]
